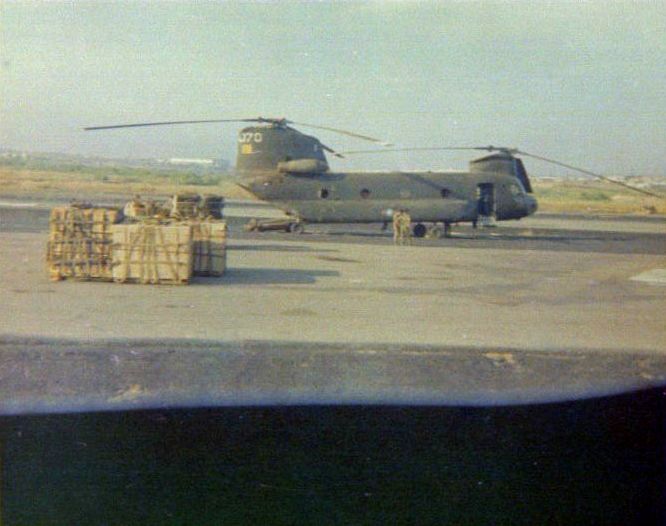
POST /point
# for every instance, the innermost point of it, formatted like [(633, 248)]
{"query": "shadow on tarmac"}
[(266, 276)]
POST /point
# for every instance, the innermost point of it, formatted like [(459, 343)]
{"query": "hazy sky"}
[(582, 82)]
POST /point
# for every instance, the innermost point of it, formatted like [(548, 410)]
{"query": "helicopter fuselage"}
[(368, 197), (281, 165)]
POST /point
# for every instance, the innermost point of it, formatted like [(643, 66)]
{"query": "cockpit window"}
[(516, 189)]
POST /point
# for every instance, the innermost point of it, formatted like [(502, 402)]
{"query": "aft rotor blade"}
[(343, 132), (168, 123), (424, 149), (592, 174), (490, 148)]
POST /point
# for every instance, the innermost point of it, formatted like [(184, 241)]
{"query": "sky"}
[(582, 82)]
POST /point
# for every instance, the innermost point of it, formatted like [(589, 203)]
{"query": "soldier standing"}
[(397, 226)]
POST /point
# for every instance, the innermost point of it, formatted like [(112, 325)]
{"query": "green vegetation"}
[(111, 173), (68, 180), (594, 197)]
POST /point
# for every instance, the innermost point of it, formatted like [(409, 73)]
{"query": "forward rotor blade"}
[(343, 132), (331, 150), (168, 123), (592, 174), (278, 122)]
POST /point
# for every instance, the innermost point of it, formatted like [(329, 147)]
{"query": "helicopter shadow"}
[(535, 239), (478, 236), (267, 276), (552, 236), (558, 240), (357, 234)]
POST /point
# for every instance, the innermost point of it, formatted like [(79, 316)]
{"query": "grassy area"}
[(78, 181), (594, 197), (104, 181)]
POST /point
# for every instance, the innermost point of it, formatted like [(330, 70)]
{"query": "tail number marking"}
[(250, 137)]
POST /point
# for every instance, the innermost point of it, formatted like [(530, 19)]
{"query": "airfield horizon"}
[(554, 196)]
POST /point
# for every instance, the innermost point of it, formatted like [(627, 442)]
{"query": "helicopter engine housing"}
[(302, 166), (278, 147)]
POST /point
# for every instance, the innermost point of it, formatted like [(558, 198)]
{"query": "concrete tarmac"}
[(567, 290)]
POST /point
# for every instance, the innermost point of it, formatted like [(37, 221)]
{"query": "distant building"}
[(214, 164), (196, 162)]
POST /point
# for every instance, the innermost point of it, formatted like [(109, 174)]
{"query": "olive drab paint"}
[(502, 162), (281, 165), (262, 148)]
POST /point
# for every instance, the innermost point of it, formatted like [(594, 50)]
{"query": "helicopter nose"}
[(531, 204)]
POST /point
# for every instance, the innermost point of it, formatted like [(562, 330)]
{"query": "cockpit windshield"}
[(516, 189), (521, 173)]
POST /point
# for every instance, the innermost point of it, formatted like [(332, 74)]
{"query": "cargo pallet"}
[(79, 245), (152, 253)]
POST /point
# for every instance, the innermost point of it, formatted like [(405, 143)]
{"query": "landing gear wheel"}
[(420, 230), (296, 228)]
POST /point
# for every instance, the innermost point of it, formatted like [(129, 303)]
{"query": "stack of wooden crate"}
[(150, 252), (212, 206), (209, 247), (185, 205), (80, 241), (89, 243)]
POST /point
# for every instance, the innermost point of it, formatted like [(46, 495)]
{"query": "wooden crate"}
[(79, 243), (152, 253), (209, 247), (185, 205), (212, 206)]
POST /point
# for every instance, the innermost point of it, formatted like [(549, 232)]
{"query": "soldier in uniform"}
[(397, 225)]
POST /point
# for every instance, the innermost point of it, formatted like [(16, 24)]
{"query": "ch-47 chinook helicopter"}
[(281, 165), (289, 169)]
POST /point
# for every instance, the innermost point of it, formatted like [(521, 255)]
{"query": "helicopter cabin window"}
[(365, 193), (445, 193), (323, 193), (515, 189)]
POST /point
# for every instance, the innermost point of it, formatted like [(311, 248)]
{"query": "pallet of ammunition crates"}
[(185, 205), (138, 209), (209, 247), (212, 206), (152, 253), (80, 241)]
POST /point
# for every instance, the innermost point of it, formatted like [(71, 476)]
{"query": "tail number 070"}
[(250, 137)]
